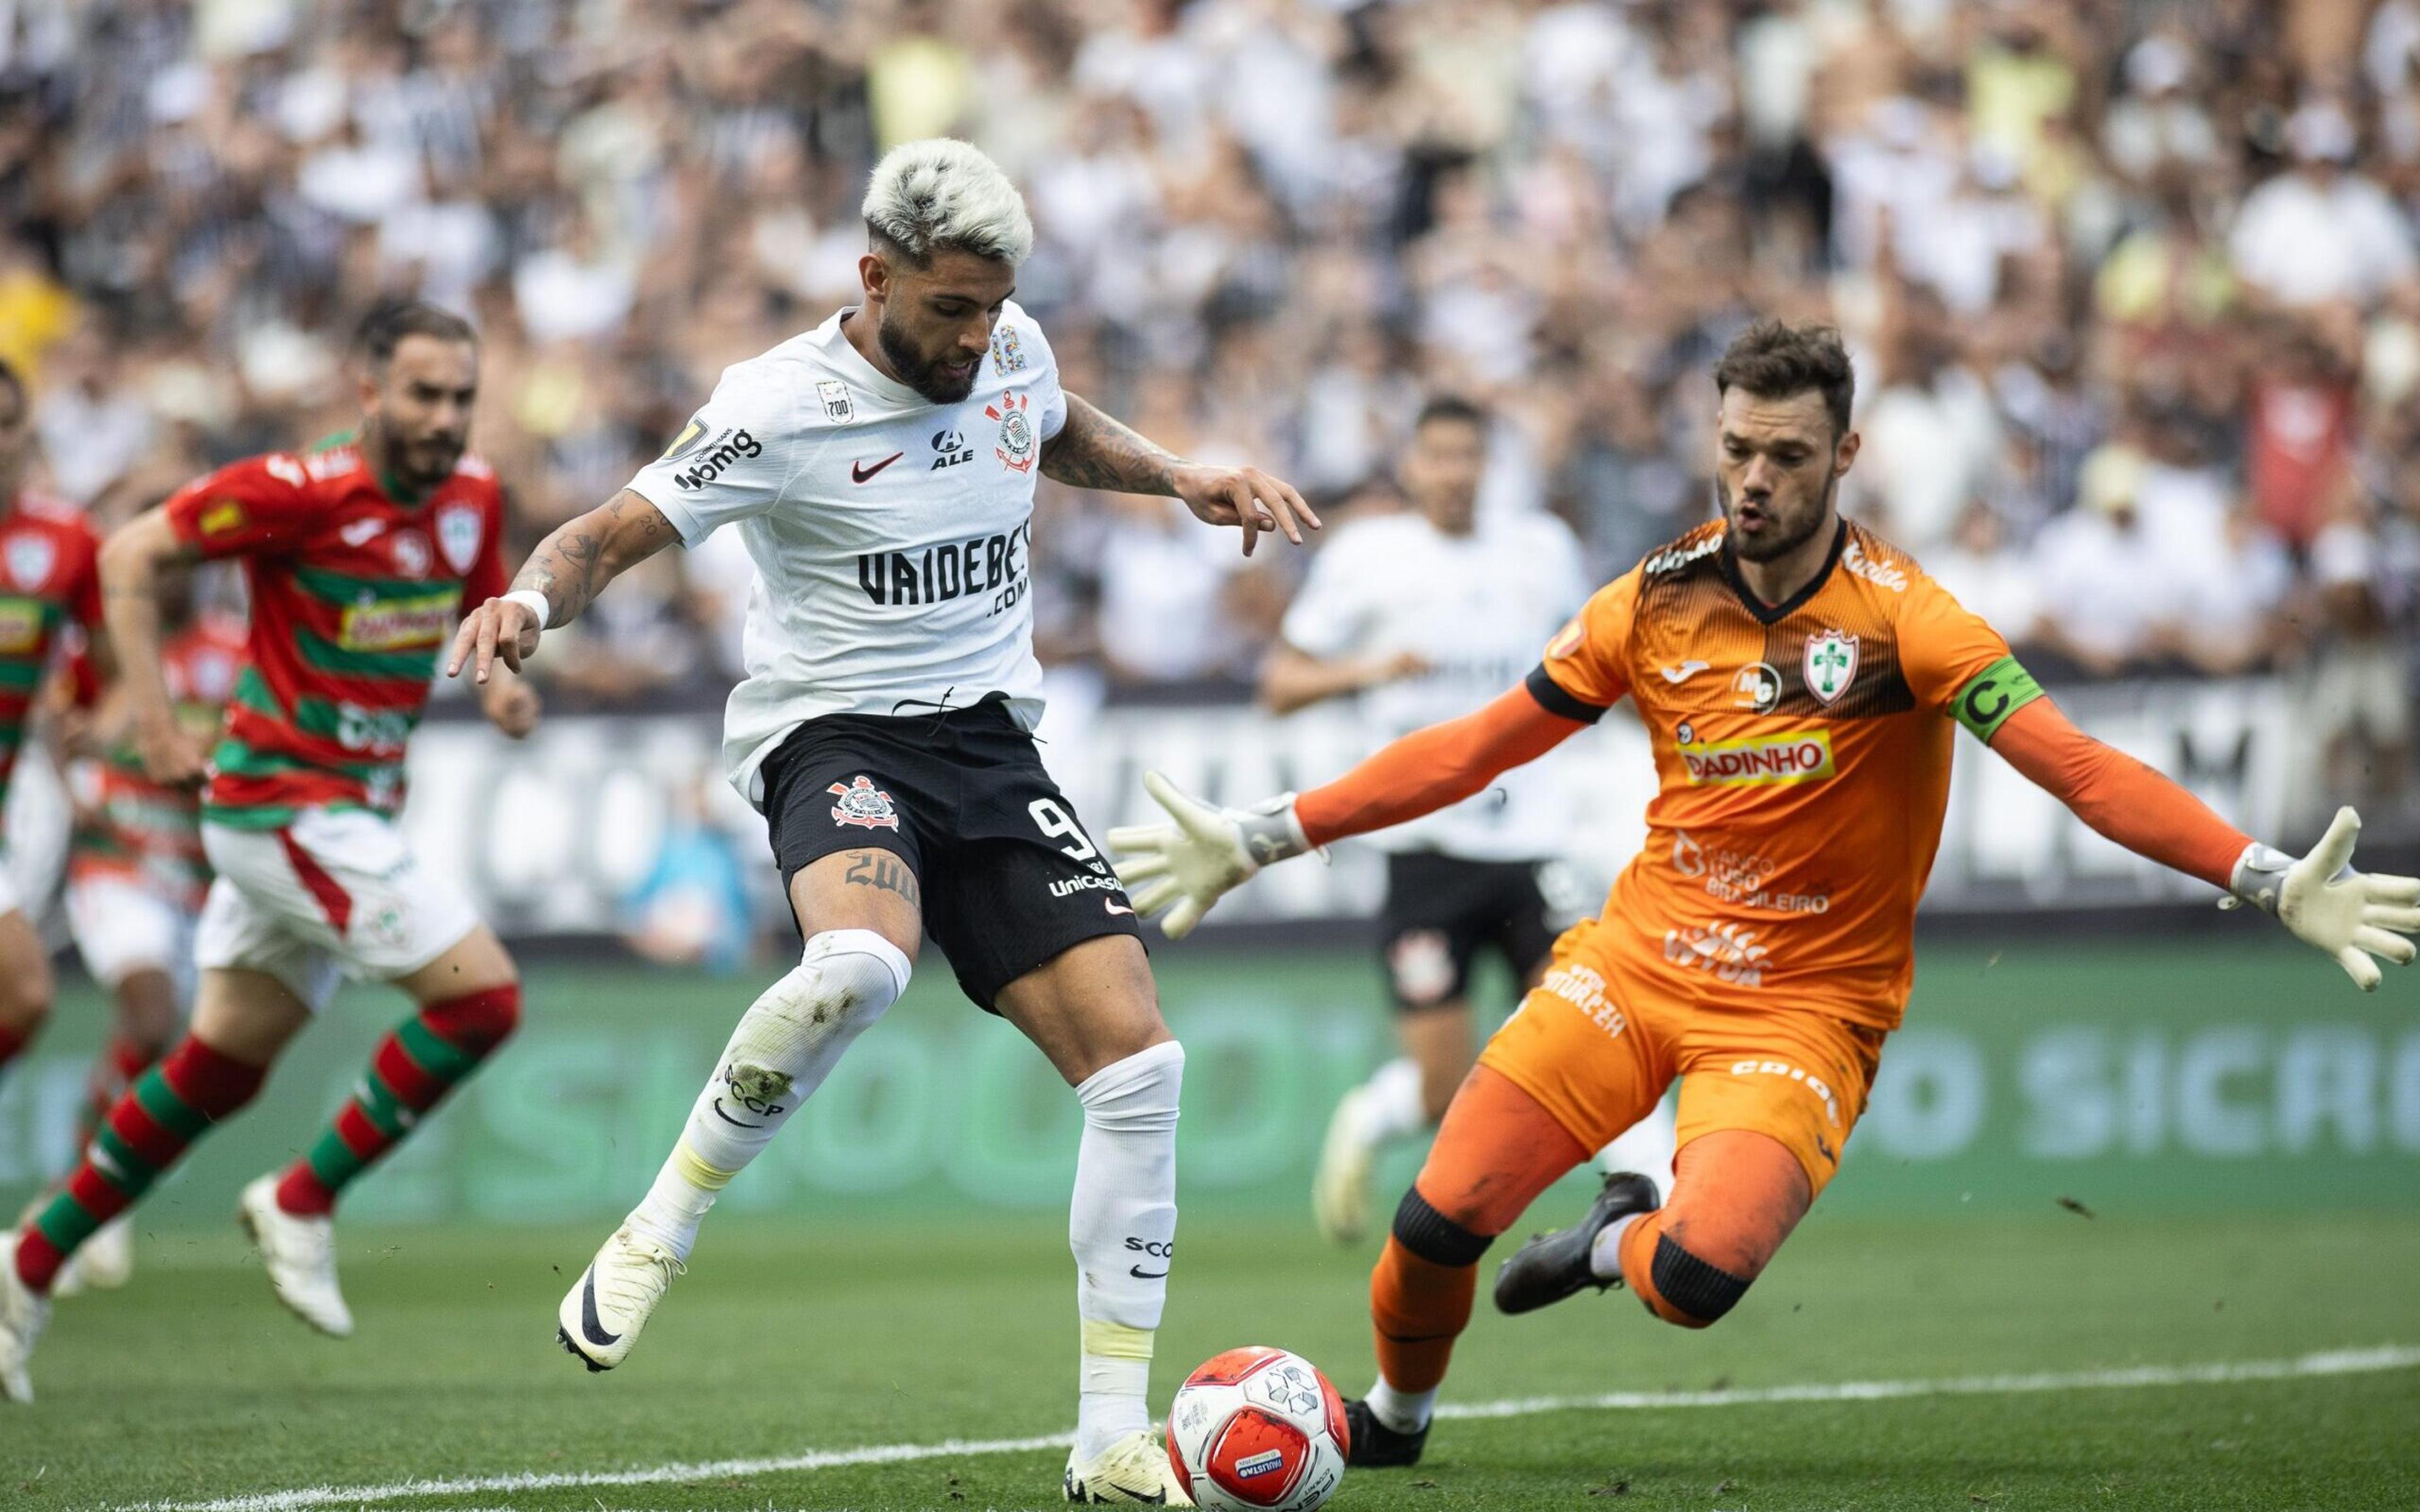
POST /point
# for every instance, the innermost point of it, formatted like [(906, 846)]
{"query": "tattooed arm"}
[(1092, 450), (567, 570)]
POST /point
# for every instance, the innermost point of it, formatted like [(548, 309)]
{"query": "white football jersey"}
[(892, 536), (1479, 610)]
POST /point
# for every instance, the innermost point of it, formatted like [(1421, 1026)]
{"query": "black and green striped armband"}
[(1991, 695)]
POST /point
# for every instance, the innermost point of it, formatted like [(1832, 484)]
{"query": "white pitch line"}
[(311, 1497), (2324, 1362)]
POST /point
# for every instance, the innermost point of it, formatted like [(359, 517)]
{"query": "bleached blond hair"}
[(942, 193)]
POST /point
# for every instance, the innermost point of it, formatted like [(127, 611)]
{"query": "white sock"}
[(1121, 1227), (1605, 1251), (787, 1043), (1406, 1411), (1391, 1102)]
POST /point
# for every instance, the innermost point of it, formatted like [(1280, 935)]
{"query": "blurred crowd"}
[(2133, 285)]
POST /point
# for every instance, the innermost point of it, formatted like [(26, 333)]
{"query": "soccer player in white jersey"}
[(881, 468), (1423, 616)]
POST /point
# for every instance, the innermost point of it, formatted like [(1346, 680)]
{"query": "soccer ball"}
[(1257, 1429)]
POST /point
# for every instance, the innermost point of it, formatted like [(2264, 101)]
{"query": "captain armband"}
[(1991, 695)]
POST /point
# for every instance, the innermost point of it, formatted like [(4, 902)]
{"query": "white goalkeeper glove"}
[(1186, 866), (2351, 915)]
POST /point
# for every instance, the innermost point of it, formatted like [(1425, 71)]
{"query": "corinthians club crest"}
[(1831, 664), (863, 804), (1018, 441)]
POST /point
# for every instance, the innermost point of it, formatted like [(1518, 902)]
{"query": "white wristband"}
[(534, 601)]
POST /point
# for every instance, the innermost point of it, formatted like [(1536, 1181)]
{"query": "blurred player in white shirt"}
[(1420, 616)]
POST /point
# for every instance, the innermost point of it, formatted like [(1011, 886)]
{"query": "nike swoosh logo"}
[(589, 1322), (360, 531), (1140, 1274), (1683, 673), (860, 472), (1114, 908), (729, 1119)]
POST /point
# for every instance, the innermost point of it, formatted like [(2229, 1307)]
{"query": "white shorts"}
[(122, 927), (34, 855), (336, 892)]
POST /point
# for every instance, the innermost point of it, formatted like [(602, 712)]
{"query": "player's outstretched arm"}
[(132, 561), (1092, 450), (567, 570), (2352, 916), (1186, 865), (1292, 679)]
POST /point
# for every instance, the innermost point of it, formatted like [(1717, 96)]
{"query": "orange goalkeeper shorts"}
[(1598, 1040)]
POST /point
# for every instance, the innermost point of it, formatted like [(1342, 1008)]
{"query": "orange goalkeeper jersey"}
[(1803, 751)]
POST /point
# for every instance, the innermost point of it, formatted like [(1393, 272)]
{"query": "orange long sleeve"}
[(1429, 768), (2119, 796)]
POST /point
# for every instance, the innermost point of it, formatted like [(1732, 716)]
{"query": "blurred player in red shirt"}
[(49, 585), (359, 555)]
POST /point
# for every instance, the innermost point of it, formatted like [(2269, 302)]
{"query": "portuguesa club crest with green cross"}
[(1831, 664)]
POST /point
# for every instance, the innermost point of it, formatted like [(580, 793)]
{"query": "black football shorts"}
[(1441, 911), (1009, 877)]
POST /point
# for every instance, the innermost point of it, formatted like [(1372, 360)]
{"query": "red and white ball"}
[(1258, 1428)]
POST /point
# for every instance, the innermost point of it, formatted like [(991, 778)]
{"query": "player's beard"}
[(1773, 548), (421, 463), (432, 460), (918, 371)]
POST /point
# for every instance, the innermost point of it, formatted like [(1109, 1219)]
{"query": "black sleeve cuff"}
[(1552, 699)]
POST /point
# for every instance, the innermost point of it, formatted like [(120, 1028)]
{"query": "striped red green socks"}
[(414, 1065), (169, 1107), (121, 1061)]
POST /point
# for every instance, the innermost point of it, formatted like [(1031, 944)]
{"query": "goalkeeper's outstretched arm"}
[(2352, 916), (1186, 865)]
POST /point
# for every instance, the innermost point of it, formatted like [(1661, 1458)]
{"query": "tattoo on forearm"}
[(886, 872), (565, 566), (1092, 450)]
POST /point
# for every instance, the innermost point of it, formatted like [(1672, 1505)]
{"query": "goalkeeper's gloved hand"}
[(1186, 866), (2351, 915)]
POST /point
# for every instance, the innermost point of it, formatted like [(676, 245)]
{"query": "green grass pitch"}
[(791, 1337)]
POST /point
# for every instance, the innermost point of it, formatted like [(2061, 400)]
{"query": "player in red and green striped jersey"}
[(47, 583), (360, 555)]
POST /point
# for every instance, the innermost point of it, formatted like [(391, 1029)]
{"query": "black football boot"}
[(1554, 1265), (1376, 1444)]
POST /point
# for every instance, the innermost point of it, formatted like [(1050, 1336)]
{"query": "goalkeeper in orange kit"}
[(1799, 679)]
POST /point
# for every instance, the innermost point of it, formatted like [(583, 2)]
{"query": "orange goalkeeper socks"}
[(1417, 1309)]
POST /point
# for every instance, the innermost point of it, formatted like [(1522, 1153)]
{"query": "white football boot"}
[(301, 1255), (1339, 1190), (23, 1313), (1133, 1470), (603, 1314), (105, 1262)]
